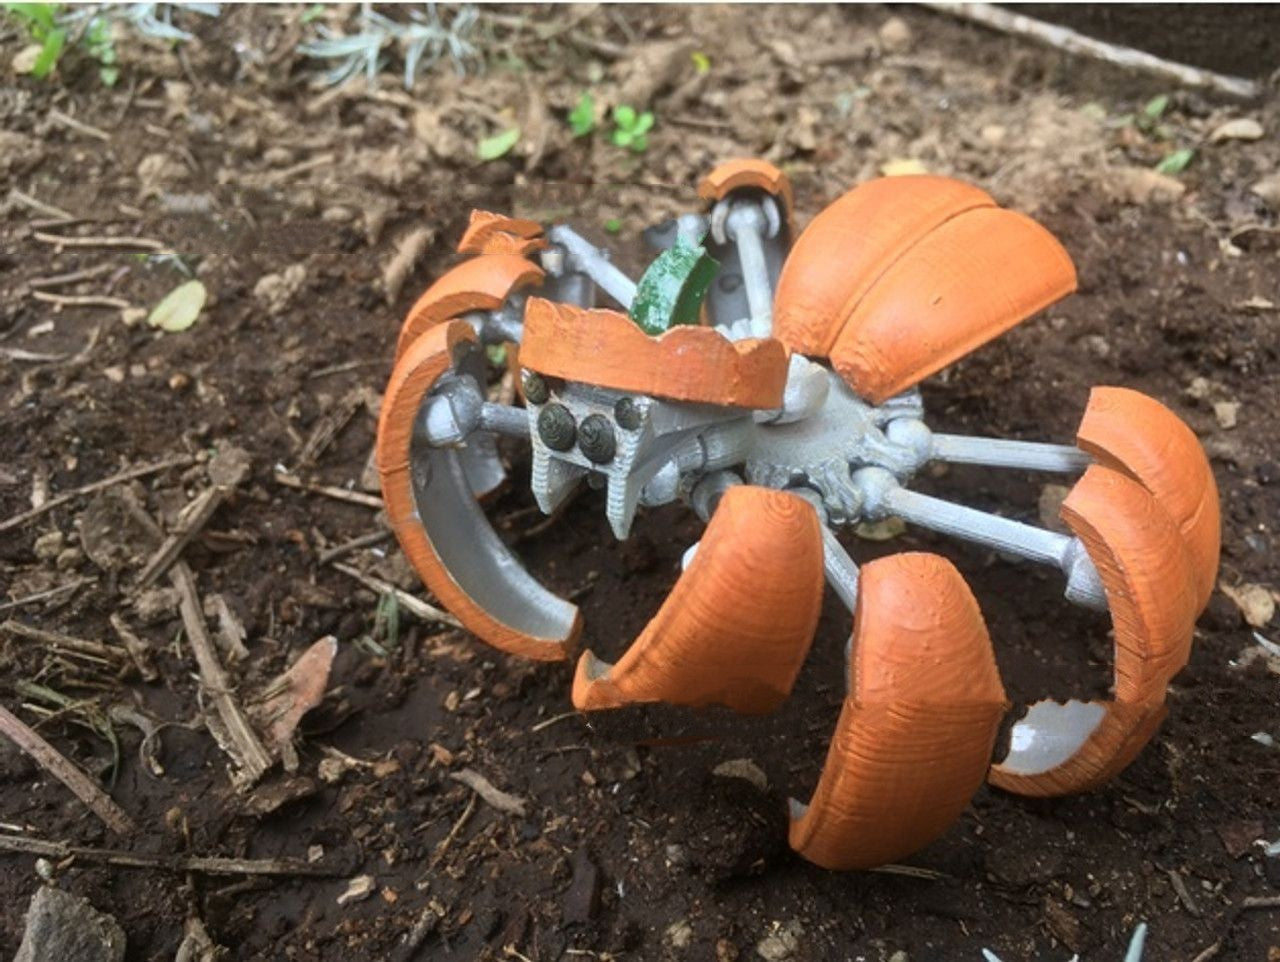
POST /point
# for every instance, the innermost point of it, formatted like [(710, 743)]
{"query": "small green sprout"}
[(701, 62), (1176, 162), (632, 128), (613, 225), (101, 46), (499, 145), (582, 119), (41, 22)]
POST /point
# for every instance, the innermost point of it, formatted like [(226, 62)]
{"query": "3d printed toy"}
[(769, 381)]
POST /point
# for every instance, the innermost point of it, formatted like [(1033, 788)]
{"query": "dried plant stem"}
[(244, 746), (67, 643), (45, 595), (80, 300), (329, 491), (73, 277), (128, 243), (415, 606), (79, 125), (48, 758), (207, 865), (39, 206), (128, 475)]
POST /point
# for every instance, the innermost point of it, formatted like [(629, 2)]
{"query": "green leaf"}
[(313, 12), (613, 225), (49, 54), (701, 62), (109, 75), (639, 143), (622, 138), (624, 116), (583, 118), (1156, 106), (179, 308), (491, 148), (39, 16), (643, 123), (1176, 162)]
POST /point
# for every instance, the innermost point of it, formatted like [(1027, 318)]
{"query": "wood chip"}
[(493, 797), (293, 694)]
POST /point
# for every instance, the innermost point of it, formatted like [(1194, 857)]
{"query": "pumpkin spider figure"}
[(769, 381)]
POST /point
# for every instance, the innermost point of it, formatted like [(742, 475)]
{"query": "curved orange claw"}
[(736, 628), (441, 528), (480, 284), (1138, 435), (746, 172), (490, 233), (1151, 591), (686, 363), (916, 732)]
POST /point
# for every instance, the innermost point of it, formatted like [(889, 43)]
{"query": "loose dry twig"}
[(45, 595), (443, 847), (48, 758), (328, 490), (330, 425), (136, 647), (129, 475), (18, 354), (81, 300), (494, 797), (40, 206), (1061, 38), (78, 125), (1261, 902), (243, 744), (355, 544), (415, 606), (68, 643), (205, 865), (73, 277), (129, 243)]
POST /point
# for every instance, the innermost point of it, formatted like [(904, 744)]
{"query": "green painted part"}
[(672, 289)]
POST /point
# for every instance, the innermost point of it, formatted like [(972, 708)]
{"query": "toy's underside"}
[(790, 410)]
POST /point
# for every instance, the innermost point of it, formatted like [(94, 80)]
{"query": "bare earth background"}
[(289, 202)]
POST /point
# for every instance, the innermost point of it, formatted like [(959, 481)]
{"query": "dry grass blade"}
[(328, 490), (415, 606), (48, 758)]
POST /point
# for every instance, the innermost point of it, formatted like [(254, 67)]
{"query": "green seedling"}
[(582, 119), (499, 145), (101, 46), (1176, 162), (701, 62), (631, 128), (42, 26), (613, 225)]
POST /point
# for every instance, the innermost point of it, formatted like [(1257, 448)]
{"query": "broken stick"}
[(207, 865), (48, 758)]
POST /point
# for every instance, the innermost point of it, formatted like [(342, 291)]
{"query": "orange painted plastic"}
[(917, 729), (1138, 435), (969, 280), (749, 172), (1151, 590), (490, 233), (479, 284), (850, 244), (737, 626), (686, 363), (424, 361)]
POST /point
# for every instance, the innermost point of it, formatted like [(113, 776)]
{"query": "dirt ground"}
[(289, 200)]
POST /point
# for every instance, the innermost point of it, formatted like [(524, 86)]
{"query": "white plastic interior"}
[(1051, 733)]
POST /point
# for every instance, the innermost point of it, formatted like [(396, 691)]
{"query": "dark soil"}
[(630, 847)]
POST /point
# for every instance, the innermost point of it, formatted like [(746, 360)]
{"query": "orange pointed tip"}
[(441, 528), (480, 284), (490, 233), (1138, 435), (1149, 581), (915, 735), (736, 628), (686, 363)]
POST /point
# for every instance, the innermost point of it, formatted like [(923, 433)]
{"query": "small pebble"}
[(1227, 413), (49, 545), (895, 34)]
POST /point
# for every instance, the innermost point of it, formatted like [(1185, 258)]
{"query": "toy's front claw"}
[(915, 735), (1149, 578), (429, 490), (736, 628)]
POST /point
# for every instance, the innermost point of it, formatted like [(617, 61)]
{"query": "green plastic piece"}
[(672, 289)]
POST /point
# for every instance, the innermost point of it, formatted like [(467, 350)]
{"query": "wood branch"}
[(415, 606), (110, 654), (204, 865), (242, 742), (1062, 38), (83, 787), (127, 475), (328, 490)]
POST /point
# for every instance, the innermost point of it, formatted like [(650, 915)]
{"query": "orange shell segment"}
[(1149, 580), (479, 284), (686, 363), (969, 280), (1138, 435), (850, 244), (490, 233), (423, 363), (745, 173), (916, 732), (737, 626)]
